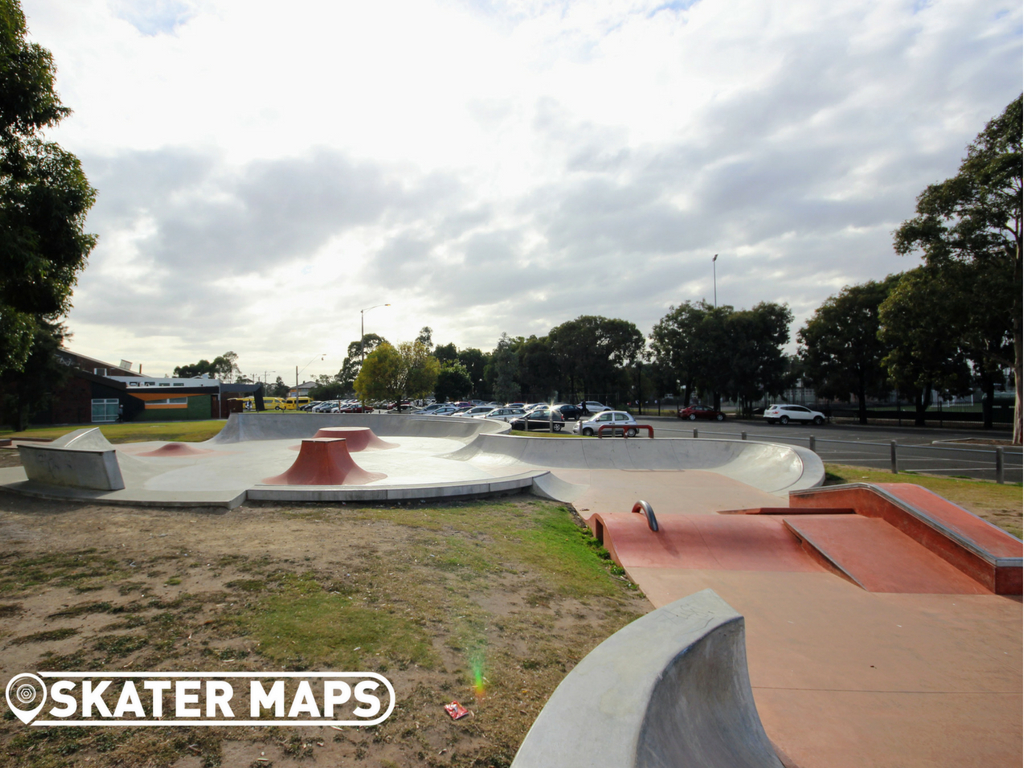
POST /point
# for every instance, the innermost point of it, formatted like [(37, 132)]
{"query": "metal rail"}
[(645, 508)]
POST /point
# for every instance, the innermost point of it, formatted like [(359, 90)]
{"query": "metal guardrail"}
[(996, 463)]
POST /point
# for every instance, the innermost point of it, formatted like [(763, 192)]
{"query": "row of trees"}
[(953, 322)]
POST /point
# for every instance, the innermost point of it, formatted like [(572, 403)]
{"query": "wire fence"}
[(998, 463)]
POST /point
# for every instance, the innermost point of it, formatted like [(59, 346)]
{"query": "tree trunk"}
[(922, 399), (988, 387), (862, 405)]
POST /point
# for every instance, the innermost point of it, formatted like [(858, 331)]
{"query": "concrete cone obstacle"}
[(324, 461), (176, 449), (359, 438)]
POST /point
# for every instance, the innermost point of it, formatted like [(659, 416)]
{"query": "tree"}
[(505, 366), (278, 388), (223, 368), (446, 353), (426, 337), (475, 362), (976, 217), (397, 374), (42, 374), (919, 324), (592, 350), (44, 197), (757, 363), (453, 382), (692, 342), (840, 347)]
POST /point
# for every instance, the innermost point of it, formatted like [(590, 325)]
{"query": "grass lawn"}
[(999, 504), (133, 432)]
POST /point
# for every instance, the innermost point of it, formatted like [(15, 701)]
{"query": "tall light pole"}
[(714, 273), (322, 355), (362, 331)]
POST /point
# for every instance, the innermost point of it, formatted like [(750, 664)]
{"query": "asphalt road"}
[(919, 449)]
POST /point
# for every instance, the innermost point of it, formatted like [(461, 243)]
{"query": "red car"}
[(357, 408), (694, 412)]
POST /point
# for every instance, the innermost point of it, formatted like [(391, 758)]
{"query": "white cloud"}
[(264, 172)]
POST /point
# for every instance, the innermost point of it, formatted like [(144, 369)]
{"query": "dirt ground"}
[(507, 595)]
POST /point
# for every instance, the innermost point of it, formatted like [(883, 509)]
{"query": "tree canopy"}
[(223, 368), (976, 218), (44, 196), (840, 348), (394, 374)]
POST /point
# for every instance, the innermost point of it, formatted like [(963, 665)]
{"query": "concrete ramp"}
[(90, 439), (242, 427), (769, 467), (670, 689)]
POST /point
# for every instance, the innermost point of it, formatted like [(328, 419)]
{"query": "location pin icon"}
[(23, 691)]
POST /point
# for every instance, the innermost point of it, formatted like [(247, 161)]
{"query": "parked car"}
[(569, 412), (539, 419), (619, 420), (694, 412), (444, 410), (356, 408), (476, 410), (501, 414), (783, 414), (595, 407)]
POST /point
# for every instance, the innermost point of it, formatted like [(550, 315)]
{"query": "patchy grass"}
[(999, 504), (488, 603), (132, 432)]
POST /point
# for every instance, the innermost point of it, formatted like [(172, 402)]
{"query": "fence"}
[(996, 463)]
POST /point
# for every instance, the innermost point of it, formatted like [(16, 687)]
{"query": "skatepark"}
[(795, 625)]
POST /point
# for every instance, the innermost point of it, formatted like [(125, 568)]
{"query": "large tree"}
[(44, 197), (394, 374), (840, 347), (592, 351), (976, 217), (757, 363), (919, 323)]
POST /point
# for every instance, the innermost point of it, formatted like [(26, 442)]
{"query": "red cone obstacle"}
[(324, 461)]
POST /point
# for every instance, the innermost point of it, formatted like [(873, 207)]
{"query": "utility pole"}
[(714, 273)]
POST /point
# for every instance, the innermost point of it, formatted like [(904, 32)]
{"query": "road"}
[(919, 449)]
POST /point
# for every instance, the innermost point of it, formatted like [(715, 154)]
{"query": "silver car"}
[(619, 421), (783, 414)]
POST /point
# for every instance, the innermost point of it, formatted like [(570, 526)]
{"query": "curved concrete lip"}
[(435, 458)]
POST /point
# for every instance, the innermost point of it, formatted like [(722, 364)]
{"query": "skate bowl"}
[(427, 458), (672, 688), (769, 467)]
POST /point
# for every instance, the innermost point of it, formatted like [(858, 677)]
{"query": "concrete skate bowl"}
[(672, 688), (769, 467)]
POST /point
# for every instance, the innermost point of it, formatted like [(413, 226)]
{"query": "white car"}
[(783, 414), (595, 407), (620, 421), (476, 410), (501, 414)]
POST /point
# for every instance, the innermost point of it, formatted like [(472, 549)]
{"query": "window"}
[(170, 401), (104, 411)]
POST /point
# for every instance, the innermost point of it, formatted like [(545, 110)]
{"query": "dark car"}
[(539, 419), (569, 412), (694, 412)]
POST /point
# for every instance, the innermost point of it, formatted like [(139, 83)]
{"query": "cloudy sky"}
[(266, 170)]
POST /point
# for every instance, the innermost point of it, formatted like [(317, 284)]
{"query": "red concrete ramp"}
[(359, 438), (324, 461), (987, 554), (702, 542), (877, 557)]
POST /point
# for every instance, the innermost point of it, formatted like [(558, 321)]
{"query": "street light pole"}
[(714, 273), (322, 355), (362, 331)]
